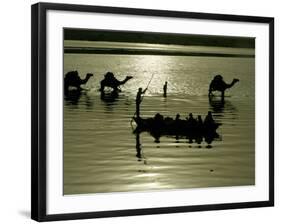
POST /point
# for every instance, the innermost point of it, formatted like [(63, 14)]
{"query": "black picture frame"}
[(39, 108)]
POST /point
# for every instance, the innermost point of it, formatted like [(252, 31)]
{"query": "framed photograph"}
[(138, 111)]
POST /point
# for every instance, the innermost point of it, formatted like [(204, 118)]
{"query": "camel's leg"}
[(102, 88), (222, 94), (116, 89), (79, 88)]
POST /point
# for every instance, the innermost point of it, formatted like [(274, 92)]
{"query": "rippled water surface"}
[(101, 153)]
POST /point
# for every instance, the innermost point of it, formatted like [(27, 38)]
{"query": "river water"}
[(101, 153)]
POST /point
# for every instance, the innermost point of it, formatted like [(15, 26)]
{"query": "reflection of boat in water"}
[(178, 128)]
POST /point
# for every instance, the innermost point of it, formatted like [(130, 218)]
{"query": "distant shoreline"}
[(124, 51), (158, 38)]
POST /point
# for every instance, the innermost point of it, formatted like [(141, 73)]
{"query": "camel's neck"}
[(231, 84), (123, 82), (83, 81)]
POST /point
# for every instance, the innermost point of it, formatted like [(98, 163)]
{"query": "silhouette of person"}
[(138, 101), (199, 120), (191, 121), (165, 89), (177, 126), (158, 118), (209, 121), (199, 124)]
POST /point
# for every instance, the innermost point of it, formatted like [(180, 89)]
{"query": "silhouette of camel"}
[(72, 79), (110, 81), (218, 84)]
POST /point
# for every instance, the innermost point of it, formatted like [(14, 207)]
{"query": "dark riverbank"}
[(159, 38)]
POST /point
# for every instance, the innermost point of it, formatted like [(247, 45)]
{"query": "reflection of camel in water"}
[(223, 109), (72, 79), (76, 97), (73, 97), (109, 97), (218, 84), (219, 105), (110, 81)]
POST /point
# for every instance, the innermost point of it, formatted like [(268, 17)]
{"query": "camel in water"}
[(218, 84), (110, 81), (72, 79)]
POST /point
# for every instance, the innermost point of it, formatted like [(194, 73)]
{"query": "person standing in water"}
[(165, 89), (138, 101)]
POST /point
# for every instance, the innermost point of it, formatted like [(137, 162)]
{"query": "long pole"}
[(147, 86)]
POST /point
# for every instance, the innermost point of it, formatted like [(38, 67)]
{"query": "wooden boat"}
[(176, 127)]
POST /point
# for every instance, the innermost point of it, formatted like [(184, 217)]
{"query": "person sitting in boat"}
[(199, 131), (158, 117), (191, 121), (168, 120), (191, 124), (178, 125), (199, 123), (138, 101), (159, 122), (209, 120)]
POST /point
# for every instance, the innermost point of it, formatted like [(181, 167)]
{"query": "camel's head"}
[(235, 80), (129, 77), (89, 75)]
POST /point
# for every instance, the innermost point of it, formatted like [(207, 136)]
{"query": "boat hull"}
[(177, 128)]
